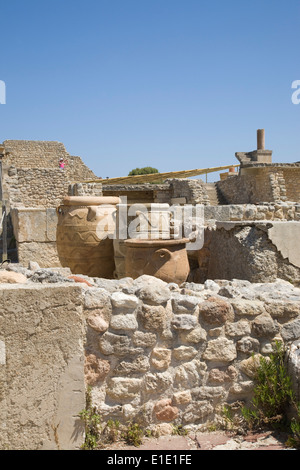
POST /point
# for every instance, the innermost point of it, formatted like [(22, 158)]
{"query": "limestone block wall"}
[(42, 388), (259, 183), (160, 354), (256, 251), (35, 234)]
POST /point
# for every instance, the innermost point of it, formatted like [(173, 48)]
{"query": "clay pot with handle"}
[(164, 259)]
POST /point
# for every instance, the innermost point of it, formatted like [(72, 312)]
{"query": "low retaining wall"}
[(157, 354)]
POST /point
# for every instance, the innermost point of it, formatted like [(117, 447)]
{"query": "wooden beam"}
[(160, 177)]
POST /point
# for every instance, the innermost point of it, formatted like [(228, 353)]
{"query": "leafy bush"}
[(273, 397)]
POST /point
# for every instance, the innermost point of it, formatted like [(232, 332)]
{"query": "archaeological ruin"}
[(155, 296)]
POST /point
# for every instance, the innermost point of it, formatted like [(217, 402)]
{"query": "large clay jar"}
[(84, 235), (137, 220), (165, 259)]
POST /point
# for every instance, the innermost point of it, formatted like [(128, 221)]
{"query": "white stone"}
[(125, 301)]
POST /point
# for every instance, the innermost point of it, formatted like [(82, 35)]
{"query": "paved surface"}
[(209, 441)]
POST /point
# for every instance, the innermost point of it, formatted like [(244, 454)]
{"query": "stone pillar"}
[(260, 139)]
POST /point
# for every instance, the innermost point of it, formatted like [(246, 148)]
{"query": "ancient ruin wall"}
[(158, 354), (31, 176), (45, 154), (263, 183)]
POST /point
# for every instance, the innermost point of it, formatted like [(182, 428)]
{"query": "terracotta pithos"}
[(82, 238), (137, 220), (165, 259)]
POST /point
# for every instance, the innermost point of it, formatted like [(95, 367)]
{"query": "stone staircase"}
[(214, 196)]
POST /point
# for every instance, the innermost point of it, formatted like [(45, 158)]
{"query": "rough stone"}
[(157, 382), (244, 307), (123, 301), (95, 369), (264, 325), (189, 374), (139, 365), (155, 293), (10, 277), (220, 350), (250, 366), (291, 331), (182, 398), (164, 410), (248, 345), (97, 322), (144, 340), (240, 328), (153, 317), (184, 303), (160, 358), (197, 411), (124, 322), (121, 388), (220, 376), (184, 322), (195, 336), (215, 311), (98, 299), (120, 345), (184, 353)]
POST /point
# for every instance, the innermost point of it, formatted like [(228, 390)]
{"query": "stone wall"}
[(160, 354), (31, 176), (156, 354), (172, 191), (34, 230), (42, 387), (34, 187), (259, 183), (44, 154)]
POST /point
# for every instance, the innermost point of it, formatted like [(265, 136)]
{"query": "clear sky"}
[(173, 84)]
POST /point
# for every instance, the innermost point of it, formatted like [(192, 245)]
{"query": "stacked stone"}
[(281, 211), (160, 355)]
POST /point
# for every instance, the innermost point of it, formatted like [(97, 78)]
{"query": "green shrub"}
[(273, 397)]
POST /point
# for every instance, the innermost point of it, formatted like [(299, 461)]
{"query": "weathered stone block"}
[(138, 365), (120, 345), (215, 311), (264, 325), (153, 317), (124, 322), (220, 350), (161, 358), (184, 353), (123, 301), (184, 322), (164, 410), (95, 369), (144, 340), (121, 388)]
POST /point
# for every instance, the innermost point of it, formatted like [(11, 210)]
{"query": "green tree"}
[(147, 170)]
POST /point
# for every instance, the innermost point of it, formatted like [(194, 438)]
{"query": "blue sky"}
[(173, 84)]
